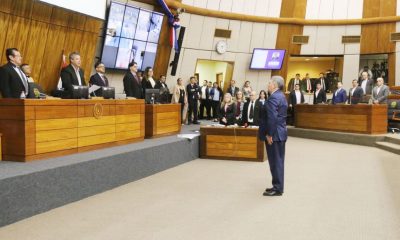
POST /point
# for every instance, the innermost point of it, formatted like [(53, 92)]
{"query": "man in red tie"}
[(99, 78)]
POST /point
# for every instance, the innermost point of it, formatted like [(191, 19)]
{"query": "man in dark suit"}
[(161, 83), (340, 95), (319, 95), (132, 85), (293, 82), (72, 75), (273, 131), (251, 111), (323, 82), (164, 91), (307, 84), (99, 78), (356, 93), (13, 82), (366, 83), (203, 98), (192, 90), (232, 89), (295, 97)]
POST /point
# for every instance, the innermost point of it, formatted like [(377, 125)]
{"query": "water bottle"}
[(22, 96), (152, 100)]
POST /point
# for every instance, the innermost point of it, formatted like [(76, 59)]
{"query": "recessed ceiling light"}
[(315, 57), (307, 59)]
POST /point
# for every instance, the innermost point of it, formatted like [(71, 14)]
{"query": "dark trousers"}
[(215, 108), (208, 108), (182, 107), (276, 159), (202, 107), (192, 110)]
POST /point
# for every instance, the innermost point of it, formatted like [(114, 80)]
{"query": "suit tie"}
[(24, 80), (251, 114), (105, 80)]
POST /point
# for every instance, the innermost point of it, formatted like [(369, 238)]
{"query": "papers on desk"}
[(189, 136), (93, 88)]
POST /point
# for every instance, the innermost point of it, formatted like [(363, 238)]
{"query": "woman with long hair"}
[(239, 107), (262, 97), (227, 110), (246, 89), (179, 96)]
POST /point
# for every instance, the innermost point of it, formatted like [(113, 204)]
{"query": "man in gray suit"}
[(380, 92), (366, 83)]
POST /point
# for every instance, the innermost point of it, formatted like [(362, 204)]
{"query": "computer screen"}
[(267, 59)]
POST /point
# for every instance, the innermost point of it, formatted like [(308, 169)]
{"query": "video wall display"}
[(132, 35), (267, 59)]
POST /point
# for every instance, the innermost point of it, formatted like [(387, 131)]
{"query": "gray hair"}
[(72, 55), (278, 81)]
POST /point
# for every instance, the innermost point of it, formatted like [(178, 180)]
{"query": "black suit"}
[(160, 85), (321, 98), (322, 86), (164, 97), (256, 113), (293, 103), (70, 79), (11, 84), (132, 86), (233, 93), (193, 97), (357, 95), (229, 114), (96, 79)]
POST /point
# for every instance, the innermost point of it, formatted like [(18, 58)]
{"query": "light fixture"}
[(315, 57), (307, 59)]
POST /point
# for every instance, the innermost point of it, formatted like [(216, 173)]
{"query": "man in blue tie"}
[(340, 95), (273, 131)]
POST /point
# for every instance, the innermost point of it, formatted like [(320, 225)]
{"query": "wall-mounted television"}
[(132, 34), (267, 59)]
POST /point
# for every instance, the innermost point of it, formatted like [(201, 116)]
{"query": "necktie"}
[(323, 83), (105, 80), (24, 80), (308, 85), (251, 115)]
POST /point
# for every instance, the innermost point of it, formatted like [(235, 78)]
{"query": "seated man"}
[(380, 92), (26, 69), (340, 95), (72, 75), (251, 110), (99, 78), (319, 94)]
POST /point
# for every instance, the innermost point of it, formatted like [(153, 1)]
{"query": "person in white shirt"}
[(380, 92), (73, 74), (340, 95), (293, 82), (319, 95), (366, 83), (203, 98), (251, 110), (295, 97)]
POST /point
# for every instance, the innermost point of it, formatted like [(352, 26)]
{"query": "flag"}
[(173, 21), (62, 66)]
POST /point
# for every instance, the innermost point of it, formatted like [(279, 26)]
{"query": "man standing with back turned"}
[(273, 131)]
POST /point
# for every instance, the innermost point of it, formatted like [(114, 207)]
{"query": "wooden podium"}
[(360, 118), (231, 143), (162, 120), (36, 129)]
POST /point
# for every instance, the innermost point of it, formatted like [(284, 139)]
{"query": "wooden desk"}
[(36, 129), (231, 144), (361, 118), (162, 120)]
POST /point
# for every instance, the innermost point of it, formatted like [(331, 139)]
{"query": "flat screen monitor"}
[(80, 92), (108, 92), (152, 96), (267, 59), (132, 35)]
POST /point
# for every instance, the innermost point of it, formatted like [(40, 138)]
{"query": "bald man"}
[(380, 92), (251, 109)]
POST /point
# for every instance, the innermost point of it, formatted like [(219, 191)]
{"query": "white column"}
[(350, 69)]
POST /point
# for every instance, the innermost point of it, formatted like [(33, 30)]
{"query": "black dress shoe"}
[(196, 122), (272, 193), (269, 189)]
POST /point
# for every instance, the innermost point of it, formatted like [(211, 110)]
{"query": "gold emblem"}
[(98, 110)]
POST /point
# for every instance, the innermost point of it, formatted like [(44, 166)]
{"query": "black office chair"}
[(394, 115)]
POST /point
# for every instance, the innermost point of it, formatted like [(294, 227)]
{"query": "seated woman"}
[(239, 107), (227, 111)]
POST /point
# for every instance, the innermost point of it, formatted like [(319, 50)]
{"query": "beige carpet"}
[(333, 191)]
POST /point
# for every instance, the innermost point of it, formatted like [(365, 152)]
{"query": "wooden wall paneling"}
[(87, 51), (51, 62), (371, 8), (41, 12), (387, 8), (384, 45), (60, 17), (22, 8), (17, 34), (392, 69), (4, 22), (163, 50), (369, 40), (77, 21), (35, 47), (6, 6), (93, 25), (73, 41)]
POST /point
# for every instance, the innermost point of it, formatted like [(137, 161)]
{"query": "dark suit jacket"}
[(327, 87), (357, 95), (192, 92), (276, 117), (229, 90), (291, 84), (304, 83), (368, 87), (341, 97), (95, 79), (132, 86), (292, 98), (69, 78), (321, 98), (11, 85), (256, 113), (159, 85), (146, 83), (229, 114)]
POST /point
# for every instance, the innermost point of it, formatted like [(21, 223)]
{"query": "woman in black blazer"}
[(227, 111)]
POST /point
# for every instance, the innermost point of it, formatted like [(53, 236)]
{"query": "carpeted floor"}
[(333, 191)]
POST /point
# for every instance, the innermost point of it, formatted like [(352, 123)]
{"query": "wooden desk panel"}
[(361, 118), (47, 128), (162, 119), (231, 144)]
